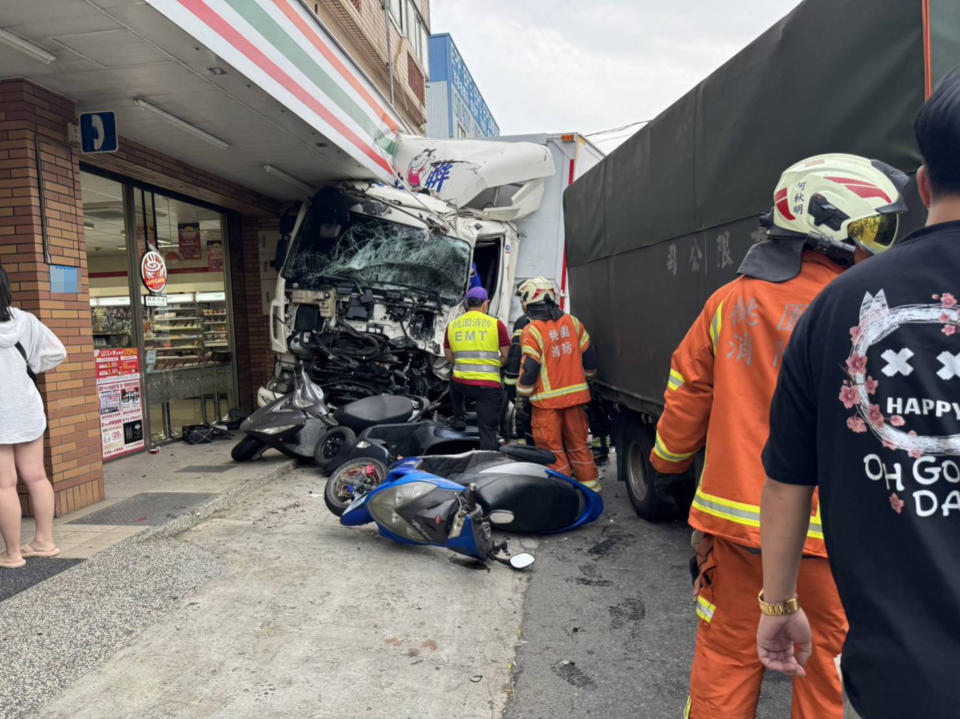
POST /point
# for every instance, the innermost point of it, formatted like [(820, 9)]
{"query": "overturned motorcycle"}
[(455, 501)]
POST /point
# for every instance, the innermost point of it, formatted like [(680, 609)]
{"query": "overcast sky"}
[(589, 65)]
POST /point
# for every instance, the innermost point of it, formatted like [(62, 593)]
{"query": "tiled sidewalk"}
[(206, 469)]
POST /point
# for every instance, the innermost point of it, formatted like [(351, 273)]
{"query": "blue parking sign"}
[(98, 131)]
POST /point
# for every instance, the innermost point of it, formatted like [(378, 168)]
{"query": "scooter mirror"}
[(521, 561)]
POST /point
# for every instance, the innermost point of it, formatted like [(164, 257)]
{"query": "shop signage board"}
[(282, 48), (98, 132), (121, 405), (153, 271), (155, 300)]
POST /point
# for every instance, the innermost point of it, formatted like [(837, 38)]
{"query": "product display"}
[(188, 333), (112, 326)]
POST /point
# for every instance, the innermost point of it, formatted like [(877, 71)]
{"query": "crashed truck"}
[(388, 266), (666, 218)]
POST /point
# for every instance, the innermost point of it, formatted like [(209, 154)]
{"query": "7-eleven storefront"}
[(153, 262)]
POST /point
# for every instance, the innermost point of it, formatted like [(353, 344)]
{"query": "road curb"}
[(202, 511)]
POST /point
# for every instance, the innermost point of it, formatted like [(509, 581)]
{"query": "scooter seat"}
[(370, 411), (454, 466), (523, 453)]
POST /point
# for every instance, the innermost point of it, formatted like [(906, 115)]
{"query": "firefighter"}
[(477, 345), (722, 379), (558, 361)]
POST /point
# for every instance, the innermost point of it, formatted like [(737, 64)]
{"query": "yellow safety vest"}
[(475, 342)]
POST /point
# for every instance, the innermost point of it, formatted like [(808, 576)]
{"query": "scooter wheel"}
[(247, 449), (350, 480), (333, 448)]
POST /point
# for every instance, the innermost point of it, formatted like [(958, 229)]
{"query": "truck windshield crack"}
[(372, 250)]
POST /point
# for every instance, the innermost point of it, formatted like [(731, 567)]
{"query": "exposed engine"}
[(371, 340)]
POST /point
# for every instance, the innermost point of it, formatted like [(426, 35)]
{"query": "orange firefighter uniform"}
[(554, 377), (722, 379)]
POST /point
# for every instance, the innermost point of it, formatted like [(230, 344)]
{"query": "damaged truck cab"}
[(387, 268)]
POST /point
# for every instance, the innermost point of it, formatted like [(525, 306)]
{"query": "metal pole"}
[(386, 28), (43, 201)]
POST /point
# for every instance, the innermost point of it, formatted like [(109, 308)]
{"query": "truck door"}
[(488, 259)]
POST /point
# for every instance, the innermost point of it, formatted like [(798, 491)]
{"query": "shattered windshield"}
[(378, 253)]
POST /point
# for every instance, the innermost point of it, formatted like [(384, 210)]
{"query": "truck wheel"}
[(248, 449), (635, 442)]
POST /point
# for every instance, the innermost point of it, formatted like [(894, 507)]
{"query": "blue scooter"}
[(454, 501)]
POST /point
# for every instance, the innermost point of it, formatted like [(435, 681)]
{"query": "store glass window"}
[(173, 345), (186, 329)]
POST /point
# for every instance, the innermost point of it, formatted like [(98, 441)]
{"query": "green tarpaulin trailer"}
[(667, 217)]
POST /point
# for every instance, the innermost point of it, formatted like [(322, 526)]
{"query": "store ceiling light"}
[(27, 48), (183, 124), (290, 179)]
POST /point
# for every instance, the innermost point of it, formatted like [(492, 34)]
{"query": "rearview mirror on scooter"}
[(521, 561)]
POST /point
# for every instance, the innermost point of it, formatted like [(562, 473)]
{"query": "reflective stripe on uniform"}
[(741, 513), (660, 449), (537, 353), (705, 609), (510, 381), (676, 380), (558, 392), (686, 709), (478, 354), (715, 326), (483, 368), (582, 334)]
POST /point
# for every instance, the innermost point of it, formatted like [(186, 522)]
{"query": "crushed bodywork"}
[(384, 281)]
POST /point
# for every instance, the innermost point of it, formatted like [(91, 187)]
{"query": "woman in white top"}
[(25, 344)]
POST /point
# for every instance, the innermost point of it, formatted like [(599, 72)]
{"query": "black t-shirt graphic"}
[(868, 408)]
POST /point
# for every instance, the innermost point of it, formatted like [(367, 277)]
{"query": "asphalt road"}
[(609, 624), (269, 607)]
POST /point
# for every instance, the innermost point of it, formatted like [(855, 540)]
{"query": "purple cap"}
[(476, 296)]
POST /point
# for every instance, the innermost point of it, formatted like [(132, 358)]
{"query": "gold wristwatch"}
[(778, 609)]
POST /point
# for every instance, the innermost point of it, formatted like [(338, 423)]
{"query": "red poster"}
[(121, 406), (189, 234), (215, 256)]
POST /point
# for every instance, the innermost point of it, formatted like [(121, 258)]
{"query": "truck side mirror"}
[(281, 254)]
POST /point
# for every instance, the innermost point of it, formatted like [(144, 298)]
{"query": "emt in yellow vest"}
[(477, 346)]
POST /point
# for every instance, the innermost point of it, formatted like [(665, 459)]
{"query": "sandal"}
[(26, 551)]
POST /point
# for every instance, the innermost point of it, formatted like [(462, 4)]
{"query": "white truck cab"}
[(388, 267)]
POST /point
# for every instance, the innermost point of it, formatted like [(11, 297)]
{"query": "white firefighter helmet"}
[(536, 289), (840, 200)]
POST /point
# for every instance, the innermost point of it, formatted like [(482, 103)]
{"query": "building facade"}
[(148, 153), (455, 106), (389, 40)]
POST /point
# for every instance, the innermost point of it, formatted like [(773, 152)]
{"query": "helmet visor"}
[(875, 234)]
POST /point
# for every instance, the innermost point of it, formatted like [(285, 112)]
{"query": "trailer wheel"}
[(635, 442)]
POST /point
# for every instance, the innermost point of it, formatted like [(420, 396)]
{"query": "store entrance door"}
[(181, 328)]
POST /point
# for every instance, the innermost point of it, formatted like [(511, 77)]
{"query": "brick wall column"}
[(247, 254), (30, 115)]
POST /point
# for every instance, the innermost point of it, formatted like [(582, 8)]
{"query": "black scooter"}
[(300, 425), (384, 444)]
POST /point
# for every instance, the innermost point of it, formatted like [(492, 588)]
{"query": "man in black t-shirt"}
[(868, 408)]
